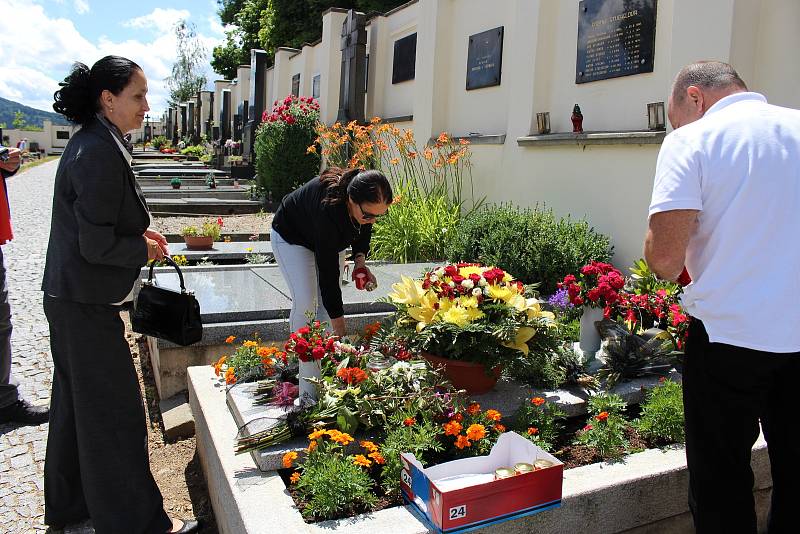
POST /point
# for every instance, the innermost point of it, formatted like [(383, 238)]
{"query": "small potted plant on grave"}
[(202, 238), (470, 319), (211, 181), (175, 183)]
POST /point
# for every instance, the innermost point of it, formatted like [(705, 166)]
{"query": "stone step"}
[(180, 173), (165, 207), (187, 182), (221, 192)]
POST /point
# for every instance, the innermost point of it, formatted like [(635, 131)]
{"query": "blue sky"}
[(40, 39)]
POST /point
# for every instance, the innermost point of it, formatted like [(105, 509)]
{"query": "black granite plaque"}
[(615, 38), (296, 84), (485, 59), (404, 64), (315, 84)]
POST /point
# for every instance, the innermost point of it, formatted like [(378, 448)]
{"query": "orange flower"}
[(458, 417), (409, 421), (312, 445), (370, 446), (294, 478), (289, 458), (219, 364), (311, 150), (462, 441), (230, 376), (493, 415), (375, 120), (532, 431), (452, 428), (602, 416), (352, 375), (428, 153), (266, 352), (230, 339), (371, 329), (249, 344), (411, 154), (360, 459), (397, 199), (476, 432), (463, 141), (340, 437), (317, 434), (500, 427), (473, 408), (394, 161), (377, 457), (537, 401), (443, 137)]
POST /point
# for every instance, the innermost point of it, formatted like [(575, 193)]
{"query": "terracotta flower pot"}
[(470, 376), (198, 242)]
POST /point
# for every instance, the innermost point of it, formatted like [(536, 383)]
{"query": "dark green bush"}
[(662, 414), (531, 244)]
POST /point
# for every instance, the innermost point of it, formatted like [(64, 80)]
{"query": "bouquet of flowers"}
[(597, 285), (469, 312), (310, 343)]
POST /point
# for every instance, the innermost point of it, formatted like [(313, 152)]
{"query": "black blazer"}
[(96, 248)]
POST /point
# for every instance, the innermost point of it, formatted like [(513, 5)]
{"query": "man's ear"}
[(695, 96)]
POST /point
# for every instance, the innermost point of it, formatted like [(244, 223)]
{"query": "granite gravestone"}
[(354, 53), (485, 59), (296, 84), (404, 61), (225, 115), (257, 100), (182, 132), (615, 38), (190, 120), (315, 85)]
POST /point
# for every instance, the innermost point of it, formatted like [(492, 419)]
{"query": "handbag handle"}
[(171, 262)]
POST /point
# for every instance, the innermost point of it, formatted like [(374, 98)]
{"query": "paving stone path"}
[(22, 448)]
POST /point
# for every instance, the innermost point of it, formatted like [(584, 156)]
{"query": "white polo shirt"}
[(739, 166)]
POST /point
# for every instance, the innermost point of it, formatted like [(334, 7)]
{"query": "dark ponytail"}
[(78, 98), (361, 186)]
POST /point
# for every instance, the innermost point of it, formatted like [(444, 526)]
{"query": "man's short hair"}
[(706, 75)]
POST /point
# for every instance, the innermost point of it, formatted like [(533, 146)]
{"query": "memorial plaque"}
[(315, 81), (404, 64), (296, 85), (485, 59), (615, 38)]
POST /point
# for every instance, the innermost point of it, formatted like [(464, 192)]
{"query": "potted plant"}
[(470, 319), (175, 183), (202, 238)]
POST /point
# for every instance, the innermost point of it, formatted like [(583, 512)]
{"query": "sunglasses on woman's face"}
[(367, 216)]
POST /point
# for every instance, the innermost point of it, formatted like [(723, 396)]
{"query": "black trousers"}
[(97, 464), (727, 390)]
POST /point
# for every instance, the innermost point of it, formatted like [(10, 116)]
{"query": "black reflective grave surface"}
[(405, 59), (485, 58), (615, 38)]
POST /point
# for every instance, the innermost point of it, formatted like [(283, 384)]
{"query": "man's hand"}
[(13, 162), (158, 238)]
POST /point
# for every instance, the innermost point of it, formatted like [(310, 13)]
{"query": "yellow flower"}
[(471, 269), (408, 291), (425, 312), (360, 459), (498, 292), (249, 249), (394, 161), (456, 315), (311, 150), (249, 344), (521, 339), (518, 302)]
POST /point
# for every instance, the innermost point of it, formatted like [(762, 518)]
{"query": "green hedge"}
[(531, 244)]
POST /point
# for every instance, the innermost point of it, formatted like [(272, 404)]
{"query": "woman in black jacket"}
[(311, 230), (97, 462)]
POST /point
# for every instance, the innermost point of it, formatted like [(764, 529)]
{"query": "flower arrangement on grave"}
[(310, 344), (204, 237), (469, 313), (472, 432), (250, 361), (597, 285)]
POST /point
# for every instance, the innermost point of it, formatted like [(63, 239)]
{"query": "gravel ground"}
[(256, 223)]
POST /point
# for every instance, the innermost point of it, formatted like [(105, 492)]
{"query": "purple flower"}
[(560, 299), (285, 394)]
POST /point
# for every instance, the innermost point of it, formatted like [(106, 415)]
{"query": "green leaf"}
[(346, 420)]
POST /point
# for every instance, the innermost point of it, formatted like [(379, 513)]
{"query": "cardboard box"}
[(434, 500)]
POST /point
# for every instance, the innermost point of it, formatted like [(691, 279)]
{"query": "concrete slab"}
[(204, 206), (189, 172), (235, 250), (176, 415), (645, 493), (187, 182), (221, 193)]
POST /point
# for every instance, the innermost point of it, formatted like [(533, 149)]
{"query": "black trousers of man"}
[(727, 390), (97, 464)]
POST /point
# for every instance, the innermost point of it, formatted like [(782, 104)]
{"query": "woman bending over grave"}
[(97, 464), (311, 230)]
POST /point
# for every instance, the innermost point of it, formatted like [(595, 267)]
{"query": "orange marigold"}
[(266, 352), (409, 421), (476, 432), (377, 457), (532, 430), (289, 458), (230, 376), (473, 408), (294, 478), (537, 401), (249, 343), (317, 434), (312, 445), (500, 427), (370, 446), (230, 339), (219, 364), (360, 459), (452, 428), (458, 417), (493, 415), (341, 438), (462, 441), (602, 416)]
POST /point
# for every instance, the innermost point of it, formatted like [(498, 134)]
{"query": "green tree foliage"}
[(187, 77), (269, 24), (19, 121)]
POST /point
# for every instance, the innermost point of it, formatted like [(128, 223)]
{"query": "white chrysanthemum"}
[(477, 292), (469, 284)]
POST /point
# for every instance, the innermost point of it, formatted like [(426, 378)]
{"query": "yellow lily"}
[(408, 291), (518, 302), (425, 312), (521, 338)]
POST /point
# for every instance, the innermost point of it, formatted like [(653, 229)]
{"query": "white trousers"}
[(299, 268)]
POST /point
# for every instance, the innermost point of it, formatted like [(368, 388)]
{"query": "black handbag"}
[(167, 314)]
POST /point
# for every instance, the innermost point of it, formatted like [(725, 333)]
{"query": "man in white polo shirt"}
[(726, 204)]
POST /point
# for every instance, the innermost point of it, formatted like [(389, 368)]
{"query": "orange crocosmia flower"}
[(493, 415), (294, 478), (462, 441), (377, 458), (476, 432), (249, 344), (311, 150), (500, 427), (473, 408), (532, 431), (394, 161), (463, 141), (428, 153), (452, 428), (360, 459), (375, 120), (230, 376), (602, 416), (230, 339), (537, 401), (409, 421), (289, 458)]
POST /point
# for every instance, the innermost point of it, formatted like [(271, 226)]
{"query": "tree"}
[(243, 18), (187, 77), (19, 121)]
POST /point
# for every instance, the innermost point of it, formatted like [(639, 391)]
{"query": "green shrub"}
[(531, 243), (662, 414), (283, 158), (194, 151), (160, 142), (419, 439), (540, 421), (605, 429), (335, 487), (416, 228)]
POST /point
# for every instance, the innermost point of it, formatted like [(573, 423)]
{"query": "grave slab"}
[(235, 250), (192, 192), (189, 172)]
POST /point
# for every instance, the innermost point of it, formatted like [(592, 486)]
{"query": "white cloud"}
[(159, 19), (39, 50), (81, 6)]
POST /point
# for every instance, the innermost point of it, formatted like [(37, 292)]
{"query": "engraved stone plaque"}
[(405, 59), (485, 59), (615, 38)]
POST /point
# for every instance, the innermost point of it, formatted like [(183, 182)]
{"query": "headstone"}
[(190, 113), (225, 115), (615, 38), (182, 132), (485, 59), (404, 61), (315, 85), (237, 127), (296, 84), (257, 100), (354, 52)]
